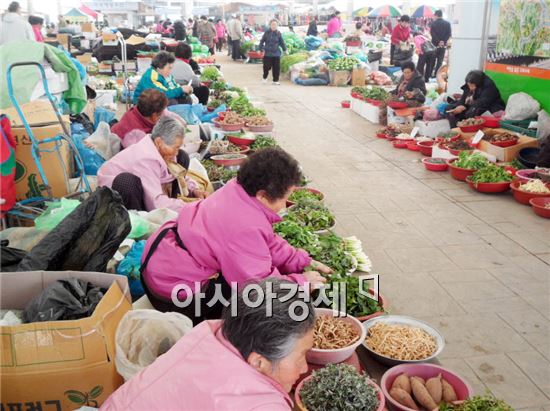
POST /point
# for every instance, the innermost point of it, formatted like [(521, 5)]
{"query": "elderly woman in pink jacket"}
[(230, 234), (140, 173), (245, 362)]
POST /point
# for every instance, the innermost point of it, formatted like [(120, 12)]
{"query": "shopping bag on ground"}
[(144, 335)]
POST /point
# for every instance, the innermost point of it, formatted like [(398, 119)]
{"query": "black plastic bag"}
[(86, 239), (10, 257), (69, 299)]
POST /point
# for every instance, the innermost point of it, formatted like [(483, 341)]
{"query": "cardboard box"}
[(43, 122), (60, 365), (85, 58), (87, 27), (65, 41), (508, 153), (358, 77), (109, 39), (339, 78)]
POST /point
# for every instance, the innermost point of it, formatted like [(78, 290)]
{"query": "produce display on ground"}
[(491, 174), (339, 387), (333, 333)]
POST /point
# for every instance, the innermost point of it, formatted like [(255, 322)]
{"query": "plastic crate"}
[(519, 126)]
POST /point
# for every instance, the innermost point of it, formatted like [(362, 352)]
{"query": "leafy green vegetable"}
[(263, 142), (486, 402), (517, 164), (297, 235), (491, 174), (210, 73), (218, 173), (244, 107), (332, 252), (304, 195), (373, 92), (292, 59), (215, 103), (313, 215), (343, 63), (357, 304), (471, 161), (339, 387)]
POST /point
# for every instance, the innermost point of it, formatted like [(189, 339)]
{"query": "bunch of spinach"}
[(491, 174), (312, 214), (297, 235), (331, 251), (471, 161), (357, 304), (304, 195), (339, 387)]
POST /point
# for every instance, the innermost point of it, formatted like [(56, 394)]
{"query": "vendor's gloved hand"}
[(320, 267), (200, 194), (314, 279), (187, 89)]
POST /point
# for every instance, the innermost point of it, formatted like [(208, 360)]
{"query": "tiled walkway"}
[(475, 266)]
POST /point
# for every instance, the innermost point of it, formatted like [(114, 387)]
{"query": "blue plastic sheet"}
[(102, 114), (208, 117), (91, 159), (130, 267), (191, 113)]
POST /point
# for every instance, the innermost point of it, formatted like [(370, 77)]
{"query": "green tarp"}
[(24, 79)]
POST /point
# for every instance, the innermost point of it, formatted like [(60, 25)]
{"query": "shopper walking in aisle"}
[(400, 34), (271, 44), (207, 34), (13, 27), (334, 26), (312, 29), (235, 31), (441, 33), (220, 34), (426, 55)]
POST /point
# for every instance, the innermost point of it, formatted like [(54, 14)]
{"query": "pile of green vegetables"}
[(491, 174), (471, 161), (210, 73), (373, 92), (478, 403), (244, 107), (293, 42), (292, 59), (313, 215), (357, 303), (263, 142), (218, 173), (343, 64), (304, 195), (339, 387)]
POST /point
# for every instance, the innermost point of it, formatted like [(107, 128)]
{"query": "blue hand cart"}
[(31, 208)]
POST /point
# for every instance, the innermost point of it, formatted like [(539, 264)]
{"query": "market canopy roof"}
[(424, 11), (363, 12), (74, 12), (385, 11), (85, 9)]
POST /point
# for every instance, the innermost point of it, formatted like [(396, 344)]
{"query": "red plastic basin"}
[(489, 187), (426, 371), (400, 143), (459, 173), (397, 104), (411, 145), (426, 147), (538, 205), (471, 129), (381, 135), (376, 103), (527, 174), (345, 104), (428, 163), (507, 143), (523, 197), (490, 121), (239, 141)]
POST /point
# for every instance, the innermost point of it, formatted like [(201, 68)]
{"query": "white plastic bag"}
[(521, 106), (144, 335), (104, 142)]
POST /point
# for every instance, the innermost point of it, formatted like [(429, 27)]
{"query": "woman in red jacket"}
[(400, 33)]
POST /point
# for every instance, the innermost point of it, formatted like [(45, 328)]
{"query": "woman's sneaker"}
[(276, 83)]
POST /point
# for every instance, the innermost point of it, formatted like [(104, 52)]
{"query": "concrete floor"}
[(476, 266)]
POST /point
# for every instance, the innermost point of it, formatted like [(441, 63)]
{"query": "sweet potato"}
[(421, 394), (435, 388), (449, 394), (403, 398), (402, 382)]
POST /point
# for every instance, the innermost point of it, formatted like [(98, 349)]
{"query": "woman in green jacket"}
[(159, 77)]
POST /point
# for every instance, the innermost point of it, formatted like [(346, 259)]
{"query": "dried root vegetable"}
[(403, 398), (449, 394), (400, 342), (402, 382), (435, 388), (333, 333)]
